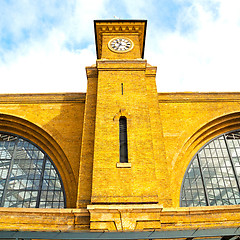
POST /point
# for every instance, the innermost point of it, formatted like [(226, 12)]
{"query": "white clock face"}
[(120, 44)]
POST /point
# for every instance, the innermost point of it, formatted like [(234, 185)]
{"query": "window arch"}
[(28, 177), (123, 139), (213, 176)]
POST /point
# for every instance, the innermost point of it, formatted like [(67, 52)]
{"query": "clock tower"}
[(122, 146), (120, 39)]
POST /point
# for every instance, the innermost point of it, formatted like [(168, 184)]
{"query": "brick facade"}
[(80, 133)]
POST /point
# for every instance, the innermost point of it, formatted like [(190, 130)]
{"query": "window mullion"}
[(41, 182), (230, 157), (9, 173), (203, 181)]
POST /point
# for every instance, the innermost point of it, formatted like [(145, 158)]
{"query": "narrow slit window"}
[(123, 139)]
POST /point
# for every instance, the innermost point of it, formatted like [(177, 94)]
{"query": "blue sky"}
[(45, 45)]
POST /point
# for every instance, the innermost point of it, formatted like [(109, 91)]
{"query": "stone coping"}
[(33, 98), (124, 217)]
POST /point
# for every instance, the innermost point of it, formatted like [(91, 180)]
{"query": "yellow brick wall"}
[(138, 183), (189, 121), (87, 145), (80, 133), (52, 121)]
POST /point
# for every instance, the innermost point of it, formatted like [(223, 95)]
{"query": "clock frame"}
[(120, 44)]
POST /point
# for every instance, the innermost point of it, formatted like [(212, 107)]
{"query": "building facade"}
[(120, 157)]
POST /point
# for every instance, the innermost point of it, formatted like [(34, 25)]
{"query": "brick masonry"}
[(80, 133)]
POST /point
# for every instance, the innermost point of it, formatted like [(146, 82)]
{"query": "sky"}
[(46, 45)]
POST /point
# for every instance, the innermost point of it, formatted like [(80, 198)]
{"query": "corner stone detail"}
[(125, 217)]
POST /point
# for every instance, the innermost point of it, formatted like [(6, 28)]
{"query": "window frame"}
[(123, 147), (196, 156), (45, 159)]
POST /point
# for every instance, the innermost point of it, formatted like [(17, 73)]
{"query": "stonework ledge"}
[(120, 207), (39, 219), (189, 97), (127, 217), (123, 64), (34, 98), (123, 165), (149, 217)]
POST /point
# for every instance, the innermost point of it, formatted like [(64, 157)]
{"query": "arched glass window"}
[(123, 139), (213, 175), (28, 177)]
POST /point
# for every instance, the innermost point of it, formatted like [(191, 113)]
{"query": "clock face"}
[(120, 44)]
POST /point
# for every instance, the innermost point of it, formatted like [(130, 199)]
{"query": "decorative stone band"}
[(139, 217), (124, 217), (130, 217)]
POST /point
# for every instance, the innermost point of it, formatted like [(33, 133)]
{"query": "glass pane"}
[(219, 171), (27, 177), (192, 192)]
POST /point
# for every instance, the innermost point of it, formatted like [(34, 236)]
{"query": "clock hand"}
[(120, 44)]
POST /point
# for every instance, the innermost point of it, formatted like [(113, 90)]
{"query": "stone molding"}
[(122, 65), (185, 97), (33, 98), (39, 219), (121, 113), (127, 217), (151, 217), (91, 72), (130, 217)]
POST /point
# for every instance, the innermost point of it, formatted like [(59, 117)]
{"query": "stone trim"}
[(123, 165), (151, 217), (185, 97), (34, 98)]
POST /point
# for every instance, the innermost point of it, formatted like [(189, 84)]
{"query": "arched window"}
[(28, 177), (213, 175), (123, 139)]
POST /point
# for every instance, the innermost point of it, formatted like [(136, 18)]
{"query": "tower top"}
[(120, 39)]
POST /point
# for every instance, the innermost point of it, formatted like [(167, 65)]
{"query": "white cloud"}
[(140, 9), (78, 24), (205, 58), (201, 54), (47, 67), (53, 60)]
